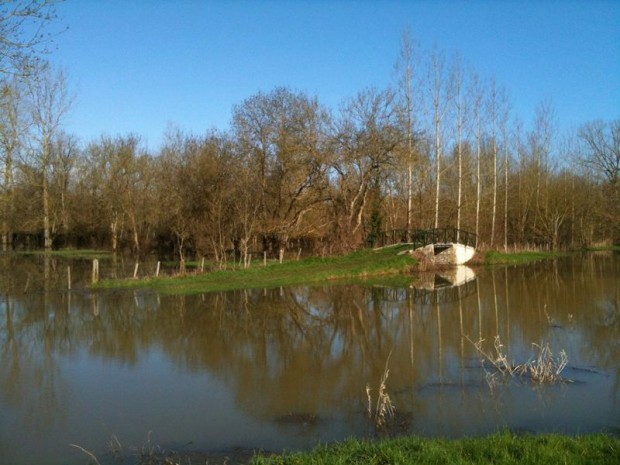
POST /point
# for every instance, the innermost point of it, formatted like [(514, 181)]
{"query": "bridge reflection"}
[(437, 287), (444, 286)]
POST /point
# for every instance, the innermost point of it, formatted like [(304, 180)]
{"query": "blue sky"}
[(141, 66)]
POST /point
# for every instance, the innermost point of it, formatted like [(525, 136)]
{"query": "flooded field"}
[(118, 373)]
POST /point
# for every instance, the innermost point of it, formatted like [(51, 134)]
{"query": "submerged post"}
[(69, 278), (95, 275)]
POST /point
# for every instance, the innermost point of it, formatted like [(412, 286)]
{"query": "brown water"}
[(288, 368)]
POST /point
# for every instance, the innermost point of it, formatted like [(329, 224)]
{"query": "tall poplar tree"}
[(407, 75), (49, 103)]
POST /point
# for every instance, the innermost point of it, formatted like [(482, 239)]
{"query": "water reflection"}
[(285, 368), (446, 285)]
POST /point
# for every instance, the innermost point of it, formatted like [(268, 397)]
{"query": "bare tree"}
[(493, 110), (601, 152), (65, 152), (364, 149), (407, 76), (601, 155), (439, 99), (477, 98), (283, 135), (12, 129), (504, 119), (457, 90), (23, 36), (49, 104), (541, 138)]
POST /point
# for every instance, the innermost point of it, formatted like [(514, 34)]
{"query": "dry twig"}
[(87, 452)]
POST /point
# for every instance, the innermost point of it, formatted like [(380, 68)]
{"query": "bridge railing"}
[(422, 237)]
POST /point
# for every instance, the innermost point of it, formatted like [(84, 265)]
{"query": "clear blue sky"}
[(139, 66)]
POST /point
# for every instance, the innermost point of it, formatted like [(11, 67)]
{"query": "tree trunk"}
[(114, 233), (47, 238), (438, 166), (505, 195), (478, 154), (7, 201)]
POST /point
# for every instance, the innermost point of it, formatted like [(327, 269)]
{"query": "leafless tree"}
[(457, 82), (12, 130), (477, 98), (365, 143), (24, 38), (49, 102), (283, 136), (601, 155), (493, 111), (408, 72)]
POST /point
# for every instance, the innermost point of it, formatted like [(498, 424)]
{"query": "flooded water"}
[(126, 372)]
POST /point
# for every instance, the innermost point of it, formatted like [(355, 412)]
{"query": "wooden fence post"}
[(95, 276)]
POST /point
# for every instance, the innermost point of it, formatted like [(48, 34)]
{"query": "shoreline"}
[(360, 265)]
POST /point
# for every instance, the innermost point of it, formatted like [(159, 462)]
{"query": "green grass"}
[(602, 248), (515, 258), (71, 253), (499, 449), (354, 266)]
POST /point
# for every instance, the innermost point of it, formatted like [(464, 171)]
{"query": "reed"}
[(147, 454), (543, 368), (498, 359), (383, 410)]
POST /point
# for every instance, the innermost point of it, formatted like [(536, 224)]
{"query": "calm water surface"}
[(286, 368)]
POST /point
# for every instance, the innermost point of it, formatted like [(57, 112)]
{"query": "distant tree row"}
[(440, 147)]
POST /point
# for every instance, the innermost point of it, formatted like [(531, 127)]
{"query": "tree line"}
[(438, 147)]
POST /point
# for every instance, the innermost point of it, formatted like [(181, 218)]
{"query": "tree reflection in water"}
[(296, 360)]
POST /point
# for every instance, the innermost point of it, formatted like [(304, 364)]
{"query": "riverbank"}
[(86, 254), (505, 448), (362, 264), (357, 265), (499, 449), (493, 257)]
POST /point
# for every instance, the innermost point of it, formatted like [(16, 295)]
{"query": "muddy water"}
[(130, 372)]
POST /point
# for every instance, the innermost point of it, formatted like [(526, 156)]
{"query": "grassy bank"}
[(499, 449), (312, 270), (88, 254), (516, 258), (602, 248), (358, 265)]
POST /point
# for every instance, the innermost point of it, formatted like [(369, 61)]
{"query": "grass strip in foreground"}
[(499, 449), (312, 270)]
